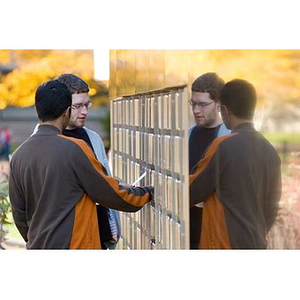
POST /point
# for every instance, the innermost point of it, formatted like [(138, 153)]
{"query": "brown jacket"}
[(239, 182), (54, 183)]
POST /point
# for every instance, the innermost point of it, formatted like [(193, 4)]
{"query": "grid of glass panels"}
[(149, 136)]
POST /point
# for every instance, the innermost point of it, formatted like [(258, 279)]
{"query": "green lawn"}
[(280, 137)]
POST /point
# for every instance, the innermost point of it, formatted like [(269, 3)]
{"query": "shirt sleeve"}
[(274, 195), (105, 189)]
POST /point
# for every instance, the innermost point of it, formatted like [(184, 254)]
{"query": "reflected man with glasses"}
[(205, 104)]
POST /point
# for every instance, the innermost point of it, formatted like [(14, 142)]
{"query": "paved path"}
[(13, 244)]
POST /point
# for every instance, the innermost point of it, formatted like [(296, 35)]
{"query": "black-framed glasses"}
[(81, 105), (199, 104)]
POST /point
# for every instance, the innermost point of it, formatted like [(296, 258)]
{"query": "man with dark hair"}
[(235, 90), (109, 219), (55, 181), (205, 103), (48, 102), (239, 178)]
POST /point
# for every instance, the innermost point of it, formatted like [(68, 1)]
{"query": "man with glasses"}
[(205, 104), (109, 219)]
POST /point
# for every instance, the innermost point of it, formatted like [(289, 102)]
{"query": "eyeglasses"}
[(199, 105), (81, 105)]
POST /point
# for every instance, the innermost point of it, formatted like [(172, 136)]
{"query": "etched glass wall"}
[(149, 137)]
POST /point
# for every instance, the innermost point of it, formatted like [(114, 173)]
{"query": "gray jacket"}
[(222, 131), (100, 153)]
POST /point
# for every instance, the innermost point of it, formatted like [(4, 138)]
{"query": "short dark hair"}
[(209, 83), (75, 84), (52, 98), (239, 96)]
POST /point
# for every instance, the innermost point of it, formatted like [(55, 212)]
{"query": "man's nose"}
[(84, 110), (197, 108)]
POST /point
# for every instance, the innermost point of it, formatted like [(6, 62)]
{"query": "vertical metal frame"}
[(150, 134)]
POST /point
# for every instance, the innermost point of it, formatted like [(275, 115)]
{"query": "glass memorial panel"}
[(149, 135)]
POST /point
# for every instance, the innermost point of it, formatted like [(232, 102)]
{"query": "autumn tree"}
[(29, 68)]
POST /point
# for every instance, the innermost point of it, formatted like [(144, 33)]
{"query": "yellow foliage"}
[(5, 56), (36, 66), (92, 92)]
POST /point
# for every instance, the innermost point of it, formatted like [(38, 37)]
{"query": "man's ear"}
[(68, 112), (224, 109)]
